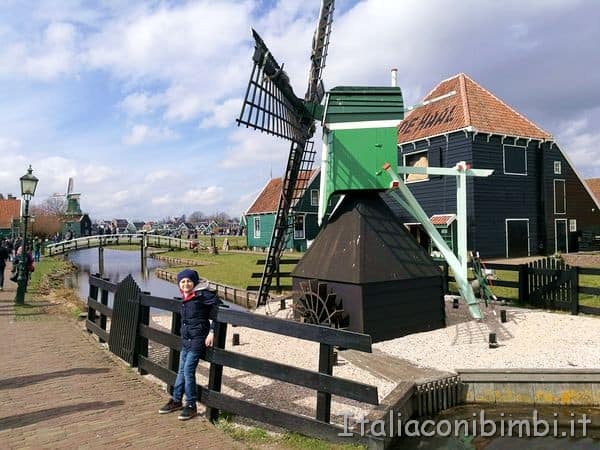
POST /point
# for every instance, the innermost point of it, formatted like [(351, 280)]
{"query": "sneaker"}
[(171, 406), (188, 412)]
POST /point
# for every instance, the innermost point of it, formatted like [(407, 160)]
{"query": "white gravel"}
[(530, 339)]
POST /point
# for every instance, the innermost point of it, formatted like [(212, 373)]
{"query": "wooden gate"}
[(124, 325), (552, 284)]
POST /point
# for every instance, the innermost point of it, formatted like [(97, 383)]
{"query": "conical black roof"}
[(364, 242)]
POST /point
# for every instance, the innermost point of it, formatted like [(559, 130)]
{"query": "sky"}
[(137, 100)]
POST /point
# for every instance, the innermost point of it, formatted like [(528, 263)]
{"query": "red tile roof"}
[(594, 185), (471, 106), (442, 219), (9, 209), (268, 200)]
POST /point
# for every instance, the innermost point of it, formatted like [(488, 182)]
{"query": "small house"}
[(10, 211), (260, 216)]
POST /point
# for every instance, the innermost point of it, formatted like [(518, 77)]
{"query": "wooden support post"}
[(101, 260), (174, 354), (574, 290), (215, 373), (324, 398), (141, 347), (523, 283), (91, 313)]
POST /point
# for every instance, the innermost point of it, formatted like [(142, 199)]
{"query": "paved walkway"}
[(60, 389)]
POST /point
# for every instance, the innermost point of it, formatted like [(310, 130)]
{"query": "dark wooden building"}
[(388, 285), (534, 203)]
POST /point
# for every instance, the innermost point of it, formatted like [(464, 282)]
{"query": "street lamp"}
[(28, 184)]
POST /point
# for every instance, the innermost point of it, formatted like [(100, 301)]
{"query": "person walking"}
[(4, 255), (196, 335)]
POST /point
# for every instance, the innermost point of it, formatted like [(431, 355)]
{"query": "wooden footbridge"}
[(142, 239)]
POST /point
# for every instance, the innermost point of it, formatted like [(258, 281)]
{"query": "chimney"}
[(394, 77)]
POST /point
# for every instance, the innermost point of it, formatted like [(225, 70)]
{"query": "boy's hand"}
[(209, 339)]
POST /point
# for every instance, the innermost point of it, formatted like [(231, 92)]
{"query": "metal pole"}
[(23, 274)]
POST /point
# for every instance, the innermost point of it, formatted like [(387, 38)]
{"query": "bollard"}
[(503, 315), (235, 339), (493, 341), (455, 303), (334, 358), (282, 304)]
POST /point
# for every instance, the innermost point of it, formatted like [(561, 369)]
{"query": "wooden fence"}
[(546, 283), (129, 334)]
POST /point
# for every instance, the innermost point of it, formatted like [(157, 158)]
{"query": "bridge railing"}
[(103, 240)]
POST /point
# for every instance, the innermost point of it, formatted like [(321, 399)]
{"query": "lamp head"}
[(28, 184)]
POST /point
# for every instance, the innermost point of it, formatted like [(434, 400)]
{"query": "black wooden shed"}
[(388, 284)]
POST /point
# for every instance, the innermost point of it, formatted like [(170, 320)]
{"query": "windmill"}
[(271, 106), (359, 145)]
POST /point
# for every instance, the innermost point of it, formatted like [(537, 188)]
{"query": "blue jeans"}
[(186, 377)]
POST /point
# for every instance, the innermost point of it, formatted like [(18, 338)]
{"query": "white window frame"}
[(314, 197), (256, 227), (557, 167), (564, 196), (506, 234), (406, 175), (556, 234), (572, 225), (504, 160), (297, 235)]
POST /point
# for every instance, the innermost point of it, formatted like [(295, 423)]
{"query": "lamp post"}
[(28, 184)]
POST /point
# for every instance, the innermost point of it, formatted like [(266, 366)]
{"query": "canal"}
[(117, 265)]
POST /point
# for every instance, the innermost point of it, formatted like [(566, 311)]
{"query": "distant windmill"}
[(72, 199)]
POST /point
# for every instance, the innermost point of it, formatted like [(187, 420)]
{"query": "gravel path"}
[(530, 339)]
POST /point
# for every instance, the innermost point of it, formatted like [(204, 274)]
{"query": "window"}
[(314, 197), (560, 200), (557, 168), (418, 159), (572, 225), (257, 227), (515, 160), (299, 227)]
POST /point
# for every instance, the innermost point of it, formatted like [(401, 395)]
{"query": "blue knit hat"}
[(188, 273)]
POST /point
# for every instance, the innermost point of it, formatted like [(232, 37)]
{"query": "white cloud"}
[(223, 115), (143, 134), (581, 145), (210, 195), (252, 147), (158, 175), (141, 103)]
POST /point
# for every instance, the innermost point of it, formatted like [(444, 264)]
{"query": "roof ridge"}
[(510, 107), (464, 98)]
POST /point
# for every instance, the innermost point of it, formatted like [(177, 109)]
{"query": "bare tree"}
[(196, 217), (55, 205)]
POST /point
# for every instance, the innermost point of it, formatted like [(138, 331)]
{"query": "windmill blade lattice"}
[(316, 91), (271, 106)]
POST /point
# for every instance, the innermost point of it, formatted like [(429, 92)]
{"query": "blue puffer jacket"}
[(194, 320)]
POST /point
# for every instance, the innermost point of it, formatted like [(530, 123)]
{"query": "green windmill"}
[(359, 146)]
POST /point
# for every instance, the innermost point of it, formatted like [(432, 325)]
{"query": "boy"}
[(196, 335)]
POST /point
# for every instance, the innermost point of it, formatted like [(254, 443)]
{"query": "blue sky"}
[(137, 100)]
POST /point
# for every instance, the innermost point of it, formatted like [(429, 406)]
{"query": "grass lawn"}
[(231, 268)]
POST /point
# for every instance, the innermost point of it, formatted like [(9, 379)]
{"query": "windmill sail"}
[(271, 106)]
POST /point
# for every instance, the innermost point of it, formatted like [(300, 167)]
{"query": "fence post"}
[(174, 354), (215, 373), (91, 313), (574, 290), (523, 284), (141, 347), (324, 398)]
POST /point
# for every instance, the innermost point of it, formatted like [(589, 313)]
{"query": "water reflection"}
[(117, 265)]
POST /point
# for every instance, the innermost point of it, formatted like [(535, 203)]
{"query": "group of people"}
[(12, 250)]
